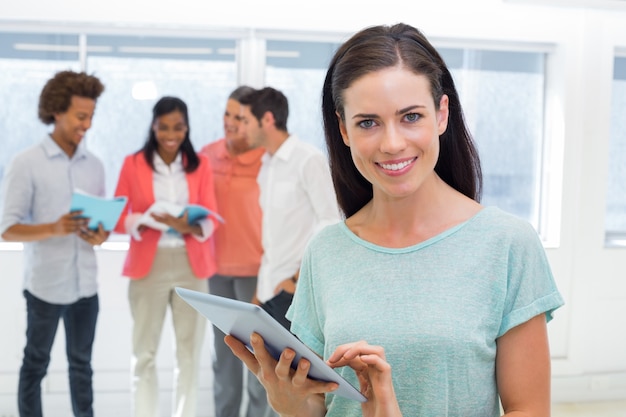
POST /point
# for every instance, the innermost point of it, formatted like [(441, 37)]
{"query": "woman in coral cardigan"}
[(166, 251)]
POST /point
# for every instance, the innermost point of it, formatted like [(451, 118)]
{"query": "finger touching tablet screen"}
[(241, 319)]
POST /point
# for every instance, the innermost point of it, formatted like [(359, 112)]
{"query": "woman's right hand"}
[(289, 391), (374, 374)]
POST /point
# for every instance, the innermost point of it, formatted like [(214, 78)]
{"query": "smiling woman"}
[(545, 103), (471, 284), (170, 130), (392, 128), (174, 252)]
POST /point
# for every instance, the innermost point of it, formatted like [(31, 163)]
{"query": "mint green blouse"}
[(437, 308)]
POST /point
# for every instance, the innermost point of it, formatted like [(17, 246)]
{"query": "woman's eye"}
[(412, 117), (366, 124)]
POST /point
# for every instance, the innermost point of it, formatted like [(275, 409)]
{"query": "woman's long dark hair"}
[(374, 49), (164, 106)]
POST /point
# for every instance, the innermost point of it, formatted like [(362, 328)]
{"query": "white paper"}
[(160, 207)]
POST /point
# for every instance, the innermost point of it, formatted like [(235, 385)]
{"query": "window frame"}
[(613, 238), (250, 60)]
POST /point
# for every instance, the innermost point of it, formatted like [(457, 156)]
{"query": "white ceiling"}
[(594, 4)]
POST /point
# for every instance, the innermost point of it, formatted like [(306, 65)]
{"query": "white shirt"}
[(298, 200), (169, 184)]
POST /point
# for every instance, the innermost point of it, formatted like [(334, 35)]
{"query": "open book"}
[(194, 212), (98, 209)]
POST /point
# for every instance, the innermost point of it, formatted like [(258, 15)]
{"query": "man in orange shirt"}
[(238, 252)]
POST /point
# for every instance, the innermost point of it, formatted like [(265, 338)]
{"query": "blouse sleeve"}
[(531, 289)]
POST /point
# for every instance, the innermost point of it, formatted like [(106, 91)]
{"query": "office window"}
[(502, 93), (298, 70), (137, 71), (27, 61), (615, 220)]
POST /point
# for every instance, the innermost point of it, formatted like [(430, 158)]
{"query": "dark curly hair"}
[(56, 95)]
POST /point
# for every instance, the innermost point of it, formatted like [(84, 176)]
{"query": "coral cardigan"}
[(136, 183)]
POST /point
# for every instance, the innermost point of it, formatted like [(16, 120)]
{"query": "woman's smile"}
[(397, 167)]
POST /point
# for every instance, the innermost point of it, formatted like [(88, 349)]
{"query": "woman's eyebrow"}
[(409, 108), (398, 112)]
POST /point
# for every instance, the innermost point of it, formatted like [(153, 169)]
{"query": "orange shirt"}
[(238, 241)]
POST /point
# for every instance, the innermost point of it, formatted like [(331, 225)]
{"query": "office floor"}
[(117, 404), (590, 409)]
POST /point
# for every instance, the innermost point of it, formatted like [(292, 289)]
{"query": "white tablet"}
[(241, 319)]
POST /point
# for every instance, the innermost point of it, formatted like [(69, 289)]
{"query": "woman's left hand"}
[(374, 374), (180, 224), (289, 392)]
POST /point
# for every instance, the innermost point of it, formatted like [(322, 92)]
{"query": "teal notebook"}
[(194, 213), (98, 209)]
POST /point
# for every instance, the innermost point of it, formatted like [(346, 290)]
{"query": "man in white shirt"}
[(296, 196)]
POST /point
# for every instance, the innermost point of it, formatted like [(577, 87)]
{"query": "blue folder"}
[(98, 209), (196, 212)]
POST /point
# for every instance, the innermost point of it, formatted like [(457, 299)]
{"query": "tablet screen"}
[(241, 319)]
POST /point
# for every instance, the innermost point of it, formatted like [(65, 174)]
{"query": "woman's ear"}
[(342, 129), (442, 114)]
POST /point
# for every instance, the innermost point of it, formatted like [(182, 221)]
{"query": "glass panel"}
[(27, 61), (39, 46), (137, 71), (615, 223), (298, 69), (502, 93)]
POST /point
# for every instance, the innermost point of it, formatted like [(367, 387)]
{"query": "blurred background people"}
[(166, 251), (297, 197), (238, 253), (60, 266)]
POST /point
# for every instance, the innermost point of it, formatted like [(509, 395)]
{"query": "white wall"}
[(588, 336)]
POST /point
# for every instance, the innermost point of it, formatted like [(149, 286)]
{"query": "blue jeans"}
[(43, 318)]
